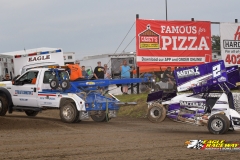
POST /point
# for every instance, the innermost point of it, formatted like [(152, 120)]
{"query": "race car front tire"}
[(156, 113), (218, 124)]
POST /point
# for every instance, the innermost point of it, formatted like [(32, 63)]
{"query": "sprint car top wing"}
[(204, 75)]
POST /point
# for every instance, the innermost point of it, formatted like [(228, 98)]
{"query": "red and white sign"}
[(230, 43), (173, 43)]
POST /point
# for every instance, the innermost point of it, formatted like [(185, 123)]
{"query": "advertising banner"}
[(230, 43), (173, 43)]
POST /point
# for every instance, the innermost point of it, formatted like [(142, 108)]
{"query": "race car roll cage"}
[(211, 101)]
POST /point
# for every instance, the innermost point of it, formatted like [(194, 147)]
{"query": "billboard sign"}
[(173, 43), (230, 43)]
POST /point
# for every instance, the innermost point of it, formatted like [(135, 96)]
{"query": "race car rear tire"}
[(31, 113), (100, 117), (3, 106), (156, 113), (218, 124), (65, 84), (69, 112), (54, 83)]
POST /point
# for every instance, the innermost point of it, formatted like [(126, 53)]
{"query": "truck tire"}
[(54, 83), (218, 124), (69, 112), (156, 113), (100, 117), (65, 84), (31, 113), (3, 106)]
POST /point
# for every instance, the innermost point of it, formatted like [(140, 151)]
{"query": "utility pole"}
[(166, 8)]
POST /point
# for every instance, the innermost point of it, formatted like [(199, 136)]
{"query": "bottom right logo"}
[(221, 145)]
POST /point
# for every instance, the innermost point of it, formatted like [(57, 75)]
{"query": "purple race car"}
[(210, 103)]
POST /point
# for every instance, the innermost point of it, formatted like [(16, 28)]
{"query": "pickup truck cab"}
[(31, 92)]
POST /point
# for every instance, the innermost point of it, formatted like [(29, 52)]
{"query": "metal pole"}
[(166, 8), (137, 17), (131, 83), (138, 74)]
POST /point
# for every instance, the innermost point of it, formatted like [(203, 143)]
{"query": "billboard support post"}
[(137, 17)]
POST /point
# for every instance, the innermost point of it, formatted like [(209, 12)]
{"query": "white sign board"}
[(230, 43)]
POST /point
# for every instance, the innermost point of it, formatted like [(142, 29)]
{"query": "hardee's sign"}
[(230, 43), (173, 43)]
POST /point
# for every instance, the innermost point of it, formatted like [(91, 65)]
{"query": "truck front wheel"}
[(69, 112), (31, 113), (3, 106)]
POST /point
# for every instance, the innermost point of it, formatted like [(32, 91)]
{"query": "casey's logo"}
[(148, 39)]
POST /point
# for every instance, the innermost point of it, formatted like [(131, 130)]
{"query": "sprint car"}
[(210, 102)]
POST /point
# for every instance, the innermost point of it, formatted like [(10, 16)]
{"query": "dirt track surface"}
[(46, 137)]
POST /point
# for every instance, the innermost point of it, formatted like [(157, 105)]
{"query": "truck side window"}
[(28, 77), (48, 76)]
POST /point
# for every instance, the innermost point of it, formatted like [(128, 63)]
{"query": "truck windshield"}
[(48, 76)]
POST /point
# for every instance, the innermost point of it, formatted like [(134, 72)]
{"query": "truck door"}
[(24, 91)]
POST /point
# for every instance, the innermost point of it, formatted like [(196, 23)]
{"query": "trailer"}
[(114, 61), (69, 57), (24, 60), (6, 66)]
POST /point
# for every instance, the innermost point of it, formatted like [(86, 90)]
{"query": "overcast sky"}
[(90, 27)]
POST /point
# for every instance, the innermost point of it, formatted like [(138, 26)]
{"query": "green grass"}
[(134, 111)]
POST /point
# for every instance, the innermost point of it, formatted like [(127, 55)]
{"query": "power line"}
[(124, 37), (129, 43)]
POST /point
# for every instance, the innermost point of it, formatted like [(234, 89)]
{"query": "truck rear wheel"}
[(100, 117), (3, 106), (218, 124), (31, 113), (156, 113), (69, 112)]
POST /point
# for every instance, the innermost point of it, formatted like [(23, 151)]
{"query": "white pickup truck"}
[(24, 94)]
